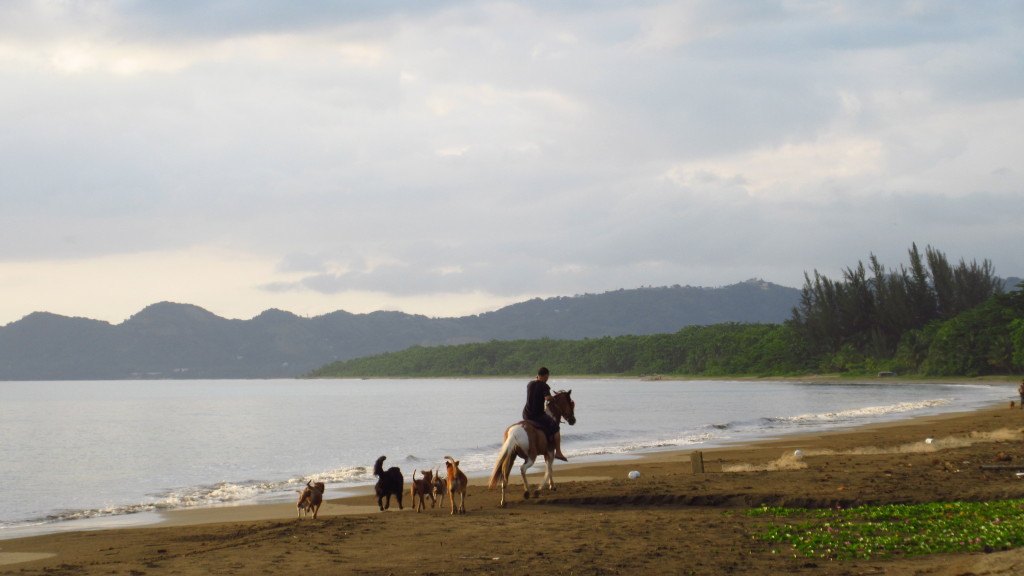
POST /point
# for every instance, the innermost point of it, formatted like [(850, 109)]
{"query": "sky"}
[(451, 158)]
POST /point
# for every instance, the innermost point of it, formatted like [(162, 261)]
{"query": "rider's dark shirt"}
[(536, 391)]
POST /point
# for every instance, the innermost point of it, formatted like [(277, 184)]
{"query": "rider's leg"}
[(558, 447)]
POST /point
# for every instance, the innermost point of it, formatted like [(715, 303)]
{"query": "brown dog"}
[(438, 489), (310, 499), (421, 489), (457, 482)]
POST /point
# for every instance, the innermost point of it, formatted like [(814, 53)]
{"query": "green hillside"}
[(929, 318)]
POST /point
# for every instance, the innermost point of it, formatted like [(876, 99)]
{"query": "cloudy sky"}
[(449, 158)]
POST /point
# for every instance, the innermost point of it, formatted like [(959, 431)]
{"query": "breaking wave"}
[(860, 413), (207, 496)]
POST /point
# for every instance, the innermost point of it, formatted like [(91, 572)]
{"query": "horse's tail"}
[(506, 456)]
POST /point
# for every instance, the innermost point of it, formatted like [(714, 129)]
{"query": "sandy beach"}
[(670, 520)]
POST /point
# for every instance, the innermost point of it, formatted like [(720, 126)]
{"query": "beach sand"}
[(669, 521)]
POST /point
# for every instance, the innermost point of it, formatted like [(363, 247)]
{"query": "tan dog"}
[(457, 482), (438, 489), (421, 488), (310, 499)]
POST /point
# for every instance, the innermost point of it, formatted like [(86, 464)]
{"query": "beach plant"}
[(894, 530)]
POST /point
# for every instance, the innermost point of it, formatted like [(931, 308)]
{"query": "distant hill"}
[(168, 340)]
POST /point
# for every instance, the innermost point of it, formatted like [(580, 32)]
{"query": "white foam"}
[(279, 440), (869, 411)]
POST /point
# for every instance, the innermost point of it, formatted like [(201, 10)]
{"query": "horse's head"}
[(566, 408)]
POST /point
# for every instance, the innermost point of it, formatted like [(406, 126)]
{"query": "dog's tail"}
[(378, 467), (454, 464)]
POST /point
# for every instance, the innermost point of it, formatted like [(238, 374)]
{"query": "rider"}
[(537, 393)]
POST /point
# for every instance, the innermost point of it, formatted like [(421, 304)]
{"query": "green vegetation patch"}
[(895, 530), (930, 319)]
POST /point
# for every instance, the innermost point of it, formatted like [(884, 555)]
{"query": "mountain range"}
[(169, 340)]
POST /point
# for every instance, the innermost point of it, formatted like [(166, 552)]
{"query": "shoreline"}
[(155, 516), (595, 468), (355, 497), (923, 458)]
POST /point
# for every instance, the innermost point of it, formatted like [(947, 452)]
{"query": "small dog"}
[(457, 482), (421, 489), (310, 499), (439, 489)]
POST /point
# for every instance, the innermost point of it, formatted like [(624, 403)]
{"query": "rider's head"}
[(543, 373)]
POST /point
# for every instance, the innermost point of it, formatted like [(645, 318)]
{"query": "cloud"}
[(791, 170), (449, 156)]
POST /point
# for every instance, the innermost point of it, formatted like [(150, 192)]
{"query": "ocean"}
[(93, 454)]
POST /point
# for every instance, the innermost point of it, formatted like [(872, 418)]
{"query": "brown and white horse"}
[(526, 441)]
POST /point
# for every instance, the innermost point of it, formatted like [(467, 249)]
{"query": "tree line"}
[(891, 318), (928, 318)]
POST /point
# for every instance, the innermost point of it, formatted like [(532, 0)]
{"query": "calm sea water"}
[(78, 455)]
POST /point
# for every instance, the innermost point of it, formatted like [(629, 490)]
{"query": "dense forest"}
[(928, 318)]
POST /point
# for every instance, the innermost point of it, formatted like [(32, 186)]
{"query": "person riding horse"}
[(529, 441), (537, 394)]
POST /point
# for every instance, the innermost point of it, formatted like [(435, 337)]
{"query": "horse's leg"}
[(544, 448), (522, 470), (549, 478), (505, 469), (506, 474), (507, 460)]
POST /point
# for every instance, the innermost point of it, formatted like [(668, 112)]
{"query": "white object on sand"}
[(928, 440), (634, 474), (798, 454)]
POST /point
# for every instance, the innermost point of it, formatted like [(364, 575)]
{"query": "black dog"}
[(389, 483)]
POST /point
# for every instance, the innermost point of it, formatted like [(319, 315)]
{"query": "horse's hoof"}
[(536, 493), (526, 495)]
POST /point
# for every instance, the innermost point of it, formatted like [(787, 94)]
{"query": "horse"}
[(526, 441)]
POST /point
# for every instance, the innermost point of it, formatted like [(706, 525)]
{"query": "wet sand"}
[(670, 520)]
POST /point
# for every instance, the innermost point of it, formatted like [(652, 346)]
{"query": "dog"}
[(457, 482), (439, 489), (421, 489), (310, 499), (390, 483)]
